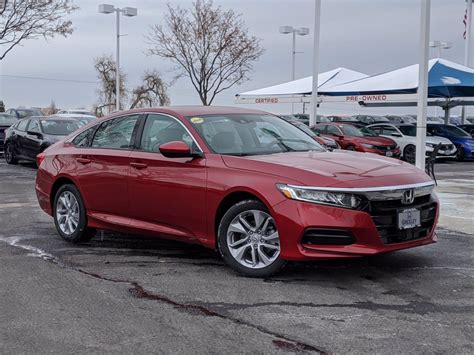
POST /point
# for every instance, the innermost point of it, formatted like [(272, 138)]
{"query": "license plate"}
[(409, 218), (389, 154)]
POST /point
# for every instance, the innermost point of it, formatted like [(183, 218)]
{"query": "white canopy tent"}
[(299, 90)]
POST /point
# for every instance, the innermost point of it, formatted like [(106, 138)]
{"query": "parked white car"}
[(405, 136), (75, 112)]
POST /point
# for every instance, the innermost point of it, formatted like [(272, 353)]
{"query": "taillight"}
[(39, 159)]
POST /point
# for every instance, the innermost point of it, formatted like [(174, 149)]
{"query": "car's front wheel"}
[(460, 153), (70, 215), (248, 239), (409, 154), (9, 155)]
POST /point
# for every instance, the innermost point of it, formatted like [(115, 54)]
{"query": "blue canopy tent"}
[(449, 85)]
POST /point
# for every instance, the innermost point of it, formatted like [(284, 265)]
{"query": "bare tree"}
[(30, 19), (106, 71), (207, 44), (151, 92)]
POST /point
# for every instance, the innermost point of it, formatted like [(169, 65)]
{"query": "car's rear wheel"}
[(70, 215), (9, 155), (409, 154), (351, 147), (248, 239)]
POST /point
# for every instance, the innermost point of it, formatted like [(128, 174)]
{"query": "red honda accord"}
[(244, 182)]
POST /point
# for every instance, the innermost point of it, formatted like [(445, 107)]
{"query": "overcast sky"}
[(370, 36)]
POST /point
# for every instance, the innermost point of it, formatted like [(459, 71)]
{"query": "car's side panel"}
[(168, 195)]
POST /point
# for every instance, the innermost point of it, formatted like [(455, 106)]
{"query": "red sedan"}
[(350, 137), (244, 182)]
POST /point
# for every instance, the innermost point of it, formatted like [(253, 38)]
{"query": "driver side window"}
[(160, 129)]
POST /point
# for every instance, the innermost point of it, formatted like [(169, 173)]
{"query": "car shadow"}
[(128, 249)]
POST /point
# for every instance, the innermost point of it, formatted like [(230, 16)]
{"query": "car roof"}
[(194, 110)]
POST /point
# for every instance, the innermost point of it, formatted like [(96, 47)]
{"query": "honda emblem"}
[(408, 197)]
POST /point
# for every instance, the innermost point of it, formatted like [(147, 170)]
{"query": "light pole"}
[(126, 11), (302, 31), (440, 45)]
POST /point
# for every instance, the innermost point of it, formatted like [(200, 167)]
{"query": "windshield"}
[(28, 113), (454, 131), (305, 129), (7, 120), (352, 131), (251, 134), (58, 127), (367, 132), (408, 130)]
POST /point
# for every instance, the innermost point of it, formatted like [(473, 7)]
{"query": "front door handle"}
[(83, 161), (138, 165)]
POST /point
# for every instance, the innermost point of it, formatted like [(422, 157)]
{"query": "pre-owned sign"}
[(366, 98)]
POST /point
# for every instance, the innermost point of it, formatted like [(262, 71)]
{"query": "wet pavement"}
[(124, 293)]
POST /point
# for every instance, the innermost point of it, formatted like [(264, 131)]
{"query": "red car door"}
[(167, 195), (102, 166)]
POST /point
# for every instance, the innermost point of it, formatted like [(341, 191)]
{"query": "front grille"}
[(385, 147), (446, 147), (385, 214)]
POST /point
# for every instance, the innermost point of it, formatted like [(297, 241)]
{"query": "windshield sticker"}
[(196, 120)]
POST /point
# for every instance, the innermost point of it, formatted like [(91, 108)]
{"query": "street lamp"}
[(126, 11), (302, 31), (440, 45)]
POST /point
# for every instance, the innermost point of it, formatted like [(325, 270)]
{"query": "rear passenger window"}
[(117, 133), (84, 139), (22, 125), (320, 128)]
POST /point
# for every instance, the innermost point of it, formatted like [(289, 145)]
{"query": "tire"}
[(409, 154), (258, 246), (70, 215), (9, 155), (460, 154), (351, 148)]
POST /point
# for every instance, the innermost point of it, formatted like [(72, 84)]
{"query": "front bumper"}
[(394, 153), (294, 219)]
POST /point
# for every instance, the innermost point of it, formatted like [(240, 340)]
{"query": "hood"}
[(437, 140), (375, 140), (338, 169)]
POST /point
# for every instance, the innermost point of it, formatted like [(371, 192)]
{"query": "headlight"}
[(332, 198), (370, 146), (431, 145)]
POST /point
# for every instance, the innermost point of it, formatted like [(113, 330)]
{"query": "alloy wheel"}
[(410, 154), (8, 153), (67, 212), (253, 240)]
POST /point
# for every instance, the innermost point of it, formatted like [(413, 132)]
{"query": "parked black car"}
[(20, 113), (5, 122), (29, 137)]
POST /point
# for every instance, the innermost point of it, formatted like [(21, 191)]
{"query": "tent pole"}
[(423, 84), (313, 116), (446, 115), (466, 48)]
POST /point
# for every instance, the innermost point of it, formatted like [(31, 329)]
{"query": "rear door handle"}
[(138, 165), (83, 160)]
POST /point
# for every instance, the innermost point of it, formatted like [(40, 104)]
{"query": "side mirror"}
[(176, 149), (37, 134)]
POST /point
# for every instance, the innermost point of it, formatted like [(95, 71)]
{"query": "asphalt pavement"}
[(124, 293)]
